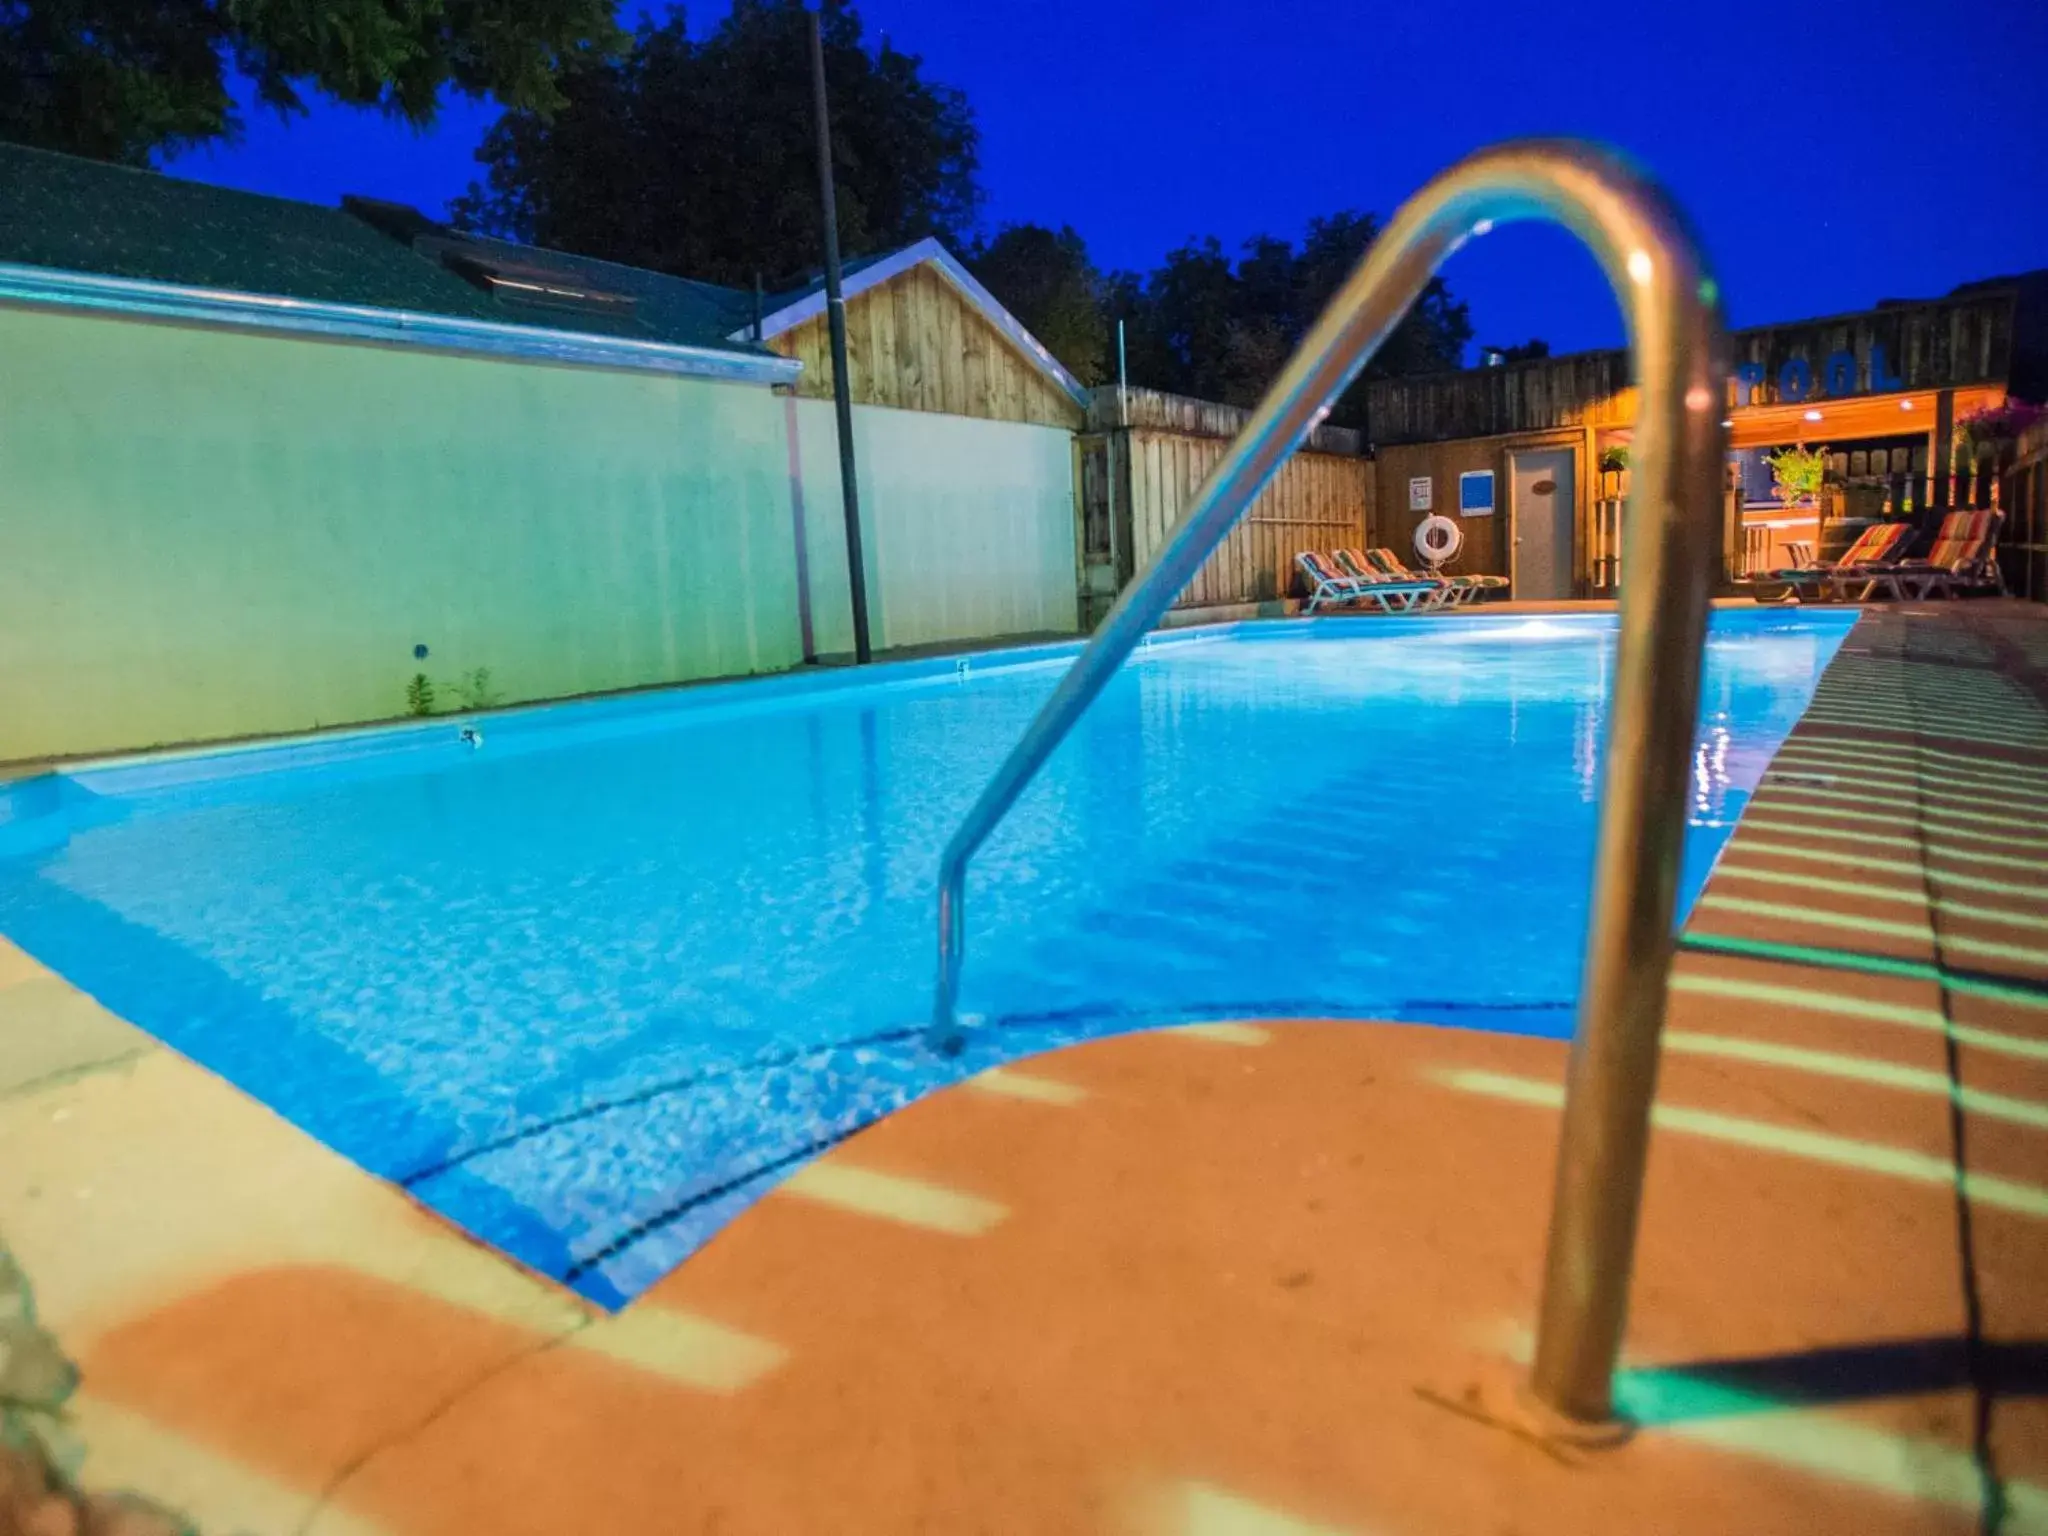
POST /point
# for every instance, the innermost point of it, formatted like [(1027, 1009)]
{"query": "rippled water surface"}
[(592, 988)]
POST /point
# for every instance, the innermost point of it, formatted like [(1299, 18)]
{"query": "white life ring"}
[(1438, 539)]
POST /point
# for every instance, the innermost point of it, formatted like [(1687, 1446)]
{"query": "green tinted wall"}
[(206, 534)]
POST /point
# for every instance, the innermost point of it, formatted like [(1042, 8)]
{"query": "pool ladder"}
[(1672, 538)]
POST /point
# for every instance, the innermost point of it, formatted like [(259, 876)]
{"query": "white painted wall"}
[(968, 526), (207, 534)]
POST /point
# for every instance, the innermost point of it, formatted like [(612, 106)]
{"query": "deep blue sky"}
[(1832, 152)]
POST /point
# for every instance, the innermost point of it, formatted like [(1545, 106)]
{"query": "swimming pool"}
[(592, 987)]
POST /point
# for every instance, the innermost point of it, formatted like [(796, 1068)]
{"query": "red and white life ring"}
[(1438, 539)]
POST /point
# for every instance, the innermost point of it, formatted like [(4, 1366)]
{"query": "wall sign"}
[(1840, 374), (1475, 493), (1421, 493)]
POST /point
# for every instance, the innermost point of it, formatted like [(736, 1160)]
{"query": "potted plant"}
[(1797, 473)]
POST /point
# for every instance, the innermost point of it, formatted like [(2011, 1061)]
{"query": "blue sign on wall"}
[(1475, 493)]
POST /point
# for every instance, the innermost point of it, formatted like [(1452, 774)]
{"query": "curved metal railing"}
[(1672, 535)]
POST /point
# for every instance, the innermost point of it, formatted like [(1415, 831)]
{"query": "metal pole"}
[(1123, 405), (835, 318), (1672, 533)]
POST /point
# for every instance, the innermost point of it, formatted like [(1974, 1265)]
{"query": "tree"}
[(128, 80), (1524, 352), (1204, 325), (1044, 278), (700, 158)]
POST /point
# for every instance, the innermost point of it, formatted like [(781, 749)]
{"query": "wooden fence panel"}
[(1318, 501), (1146, 454)]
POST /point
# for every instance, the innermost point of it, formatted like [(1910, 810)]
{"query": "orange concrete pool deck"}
[(1266, 1278)]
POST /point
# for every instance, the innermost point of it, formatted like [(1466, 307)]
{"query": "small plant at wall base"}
[(474, 689), (1797, 473), (419, 695)]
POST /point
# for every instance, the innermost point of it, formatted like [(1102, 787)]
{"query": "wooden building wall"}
[(1588, 389), (914, 343), (1925, 346), (1487, 539), (1945, 343), (1138, 478)]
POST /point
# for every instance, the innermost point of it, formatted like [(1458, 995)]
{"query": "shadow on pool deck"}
[(1249, 1278)]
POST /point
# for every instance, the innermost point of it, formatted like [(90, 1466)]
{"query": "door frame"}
[(1572, 440)]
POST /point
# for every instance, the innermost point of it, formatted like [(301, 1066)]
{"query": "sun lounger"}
[(1328, 584), (1965, 555), (1875, 545), (1462, 589), (1353, 563)]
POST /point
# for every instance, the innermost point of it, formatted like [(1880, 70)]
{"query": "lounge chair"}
[(1353, 563), (1461, 589), (1875, 545), (1965, 555), (1328, 585)]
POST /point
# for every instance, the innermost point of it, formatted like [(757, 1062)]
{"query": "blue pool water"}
[(592, 988)]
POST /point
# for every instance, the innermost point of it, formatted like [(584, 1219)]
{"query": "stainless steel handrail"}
[(1671, 538)]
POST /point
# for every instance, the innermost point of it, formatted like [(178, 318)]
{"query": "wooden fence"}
[(2023, 495), (1145, 456)]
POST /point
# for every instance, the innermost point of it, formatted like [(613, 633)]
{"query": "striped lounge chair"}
[(1878, 544), (1360, 566), (1461, 589), (1328, 585), (1965, 555)]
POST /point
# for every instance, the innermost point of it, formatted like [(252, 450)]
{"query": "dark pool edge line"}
[(136, 776)]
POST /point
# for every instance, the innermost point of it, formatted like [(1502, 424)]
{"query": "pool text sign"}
[(1839, 374), (1964, 340)]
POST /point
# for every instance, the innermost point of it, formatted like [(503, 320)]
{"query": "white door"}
[(1542, 513)]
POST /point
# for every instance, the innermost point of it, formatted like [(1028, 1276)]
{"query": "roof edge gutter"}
[(56, 288)]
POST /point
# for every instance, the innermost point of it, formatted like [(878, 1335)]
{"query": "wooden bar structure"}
[(1142, 457), (1880, 391)]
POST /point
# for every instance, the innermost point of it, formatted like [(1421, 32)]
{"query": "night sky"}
[(1832, 152)]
